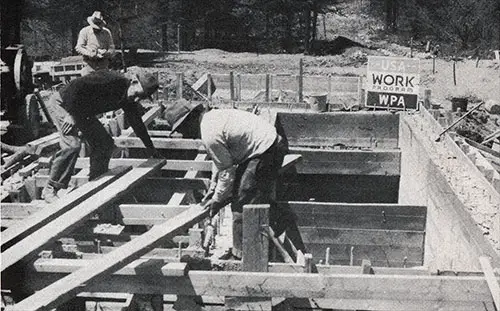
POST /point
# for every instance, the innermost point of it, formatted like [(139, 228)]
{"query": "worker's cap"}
[(149, 84), (176, 112), (96, 20)]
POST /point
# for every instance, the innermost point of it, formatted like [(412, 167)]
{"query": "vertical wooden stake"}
[(301, 80), (309, 263), (427, 98), (433, 65), (179, 38), (156, 74), (209, 86), (238, 87), (231, 85), (351, 256), (327, 256), (454, 73), (268, 84), (180, 79), (255, 241), (411, 47)]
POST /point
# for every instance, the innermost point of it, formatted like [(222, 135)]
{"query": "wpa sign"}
[(392, 82)]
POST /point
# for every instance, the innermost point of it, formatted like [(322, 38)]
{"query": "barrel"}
[(317, 102)]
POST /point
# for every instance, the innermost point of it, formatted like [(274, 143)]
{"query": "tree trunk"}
[(307, 37)]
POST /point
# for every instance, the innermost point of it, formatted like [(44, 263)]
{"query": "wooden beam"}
[(359, 215), (171, 164), (168, 182), (66, 222), (362, 129), (38, 220), (70, 285), (393, 289), (348, 162), (160, 143), (255, 240), (361, 236)]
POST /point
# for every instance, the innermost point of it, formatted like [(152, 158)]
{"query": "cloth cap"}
[(176, 112), (96, 20), (149, 84)]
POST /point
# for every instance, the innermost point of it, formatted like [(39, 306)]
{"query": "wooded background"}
[(49, 28)]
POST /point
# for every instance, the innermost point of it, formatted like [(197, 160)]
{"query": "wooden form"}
[(348, 162), (345, 291), (67, 287), (456, 244), (65, 223), (359, 130), (38, 220)]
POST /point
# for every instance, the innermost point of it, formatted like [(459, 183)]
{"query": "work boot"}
[(49, 194)]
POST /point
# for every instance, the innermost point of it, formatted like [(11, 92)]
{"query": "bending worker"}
[(95, 43), (247, 153), (74, 108)]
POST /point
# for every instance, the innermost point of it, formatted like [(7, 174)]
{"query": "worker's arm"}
[(82, 47), (134, 118), (224, 173)]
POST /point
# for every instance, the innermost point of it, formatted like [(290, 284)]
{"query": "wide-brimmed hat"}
[(175, 113), (96, 20), (149, 84)]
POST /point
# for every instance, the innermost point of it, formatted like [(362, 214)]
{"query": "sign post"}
[(393, 83)]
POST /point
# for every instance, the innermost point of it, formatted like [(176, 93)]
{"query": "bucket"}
[(318, 102), (459, 102)]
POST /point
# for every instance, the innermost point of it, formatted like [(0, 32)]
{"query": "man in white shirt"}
[(247, 153), (95, 43)]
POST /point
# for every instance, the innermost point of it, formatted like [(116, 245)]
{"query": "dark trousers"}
[(64, 161), (255, 183)]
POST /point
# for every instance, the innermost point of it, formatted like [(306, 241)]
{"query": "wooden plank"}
[(380, 255), (362, 129), (160, 143), (38, 220), (490, 279), (361, 221), (171, 164), (393, 288), (66, 222), (255, 240), (148, 214), (362, 236), (167, 182), (356, 208), (20, 210), (348, 162), (70, 285)]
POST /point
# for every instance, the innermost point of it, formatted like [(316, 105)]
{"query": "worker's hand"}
[(68, 124), (213, 206), (101, 53), (209, 194)]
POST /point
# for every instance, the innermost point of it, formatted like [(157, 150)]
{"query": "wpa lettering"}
[(393, 80), (391, 100)]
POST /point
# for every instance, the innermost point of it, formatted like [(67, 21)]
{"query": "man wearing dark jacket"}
[(75, 107)]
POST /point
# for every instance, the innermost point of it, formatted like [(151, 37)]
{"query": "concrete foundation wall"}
[(453, 240)]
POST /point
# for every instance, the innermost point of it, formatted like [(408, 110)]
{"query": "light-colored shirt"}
[(231, 137), (90, 41)]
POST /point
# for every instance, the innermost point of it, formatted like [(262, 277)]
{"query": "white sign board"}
[(392, 83)]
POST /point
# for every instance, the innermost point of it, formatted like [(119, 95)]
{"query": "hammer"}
[(458, 120)]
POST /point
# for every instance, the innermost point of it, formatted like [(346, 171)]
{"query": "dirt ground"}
[(474, 81)]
